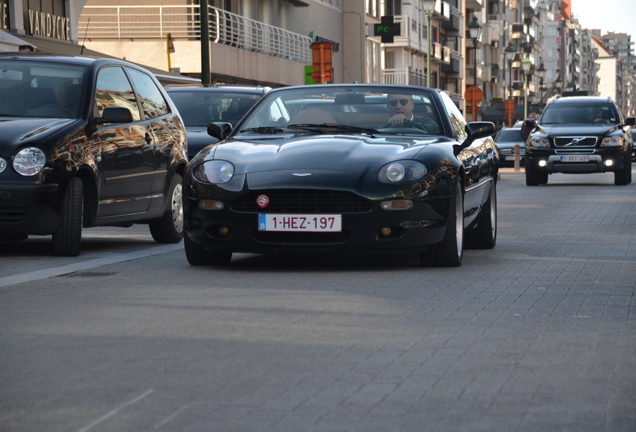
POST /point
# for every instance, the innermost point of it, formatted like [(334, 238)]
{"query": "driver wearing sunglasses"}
[(400, 109)]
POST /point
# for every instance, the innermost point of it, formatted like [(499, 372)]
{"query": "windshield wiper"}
[(263, 129), (318, 127)]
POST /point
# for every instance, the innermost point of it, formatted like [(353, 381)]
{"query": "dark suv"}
[(579, 134)]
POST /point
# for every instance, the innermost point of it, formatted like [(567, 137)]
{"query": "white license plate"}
[(575, 158), (509, 158), (300, 222)]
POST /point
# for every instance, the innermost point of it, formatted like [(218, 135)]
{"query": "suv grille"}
[(303, 201), (575, 141)]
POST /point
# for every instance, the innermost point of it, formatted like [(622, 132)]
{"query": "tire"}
[(623, 177), (532, 175), (484, 236), (449, 252), (169, 229), (198, 256), (67, 239), (543, 177)]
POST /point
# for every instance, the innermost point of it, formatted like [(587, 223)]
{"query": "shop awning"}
[(66, 48)]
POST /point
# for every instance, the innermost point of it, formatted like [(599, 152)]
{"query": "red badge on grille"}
[(262, 201)]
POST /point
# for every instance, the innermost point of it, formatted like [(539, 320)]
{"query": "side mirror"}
[(115, 115), (219, 130), (475, 131), (527, 127), (630, 121)]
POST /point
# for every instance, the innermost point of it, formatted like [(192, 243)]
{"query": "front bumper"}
[(598, 162), (29, 209), (416, 228)]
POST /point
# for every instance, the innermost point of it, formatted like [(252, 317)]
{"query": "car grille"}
[(303, 201), (12, 214), (575, 141)]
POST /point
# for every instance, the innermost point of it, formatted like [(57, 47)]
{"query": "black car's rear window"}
[(509, 135)]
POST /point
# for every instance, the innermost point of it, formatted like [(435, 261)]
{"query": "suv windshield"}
[(40, 89), (510, 135), (579, 114)]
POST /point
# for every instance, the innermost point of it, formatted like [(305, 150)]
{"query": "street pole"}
[(429, 15), (205, 43)]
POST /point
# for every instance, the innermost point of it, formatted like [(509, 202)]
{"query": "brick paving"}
[(538, 334)]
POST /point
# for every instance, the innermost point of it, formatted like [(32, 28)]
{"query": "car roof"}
[(223, 89)]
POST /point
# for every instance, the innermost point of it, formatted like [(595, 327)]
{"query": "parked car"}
[(321, 168), (84, 143), (579, 134), (506, 141), (200, 106)]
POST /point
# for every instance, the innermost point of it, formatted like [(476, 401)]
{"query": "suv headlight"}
[(540, 142), (29, 161), (612, 142), (214, 172)]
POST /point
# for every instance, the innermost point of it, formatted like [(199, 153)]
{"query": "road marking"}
[(115, 411), (171, 416), (90, 264)]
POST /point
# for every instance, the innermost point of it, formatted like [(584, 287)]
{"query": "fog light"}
[(542, 163), (224, 231), (385, 231), (211, 205), (396, 205), (609, 163)]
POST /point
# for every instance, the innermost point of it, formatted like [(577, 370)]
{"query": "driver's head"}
[(400, 104)]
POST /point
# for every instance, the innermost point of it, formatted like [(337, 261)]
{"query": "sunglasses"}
[(403, 102)]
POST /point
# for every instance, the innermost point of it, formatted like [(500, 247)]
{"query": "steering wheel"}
[(411, 123)]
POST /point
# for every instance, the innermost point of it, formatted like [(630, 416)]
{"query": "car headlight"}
[(402, 172), (214, 172), (540, 142), (29, 161), (612, 142)]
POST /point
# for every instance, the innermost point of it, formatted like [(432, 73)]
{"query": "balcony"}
[(403, 76), (182, 22)]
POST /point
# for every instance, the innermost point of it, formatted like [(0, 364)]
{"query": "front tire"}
[(484, 236), (67, 239), (198, 256), (623, 177), (169, 229), (449, 252), (532, 175)]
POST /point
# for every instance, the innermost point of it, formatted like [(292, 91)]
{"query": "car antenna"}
[(84, 41)]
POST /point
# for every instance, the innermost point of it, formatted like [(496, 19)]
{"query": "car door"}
[(156, 113), (127, 168)]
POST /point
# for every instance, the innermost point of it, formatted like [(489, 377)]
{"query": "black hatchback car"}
[(87, 142), (578, 135)]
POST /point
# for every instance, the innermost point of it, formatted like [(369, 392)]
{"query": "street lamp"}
[(557, 83), (429, 8), (474, 30), (510, 52), (541, 71), (526, 64)]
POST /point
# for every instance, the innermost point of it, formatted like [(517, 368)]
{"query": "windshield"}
[(580, 114), (40, 89), (346, 109), (201, 107), (511, 135)]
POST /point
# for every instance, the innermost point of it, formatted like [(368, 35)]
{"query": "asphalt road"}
[(538, 334)]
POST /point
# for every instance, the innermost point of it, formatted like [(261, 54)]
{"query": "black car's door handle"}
[(148, 138)]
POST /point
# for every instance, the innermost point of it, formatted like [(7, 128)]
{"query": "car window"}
[(152, 101), (201, 107), (510, 135), (40, 89), (580, 114), (348, 108), (114, 90), (455, 116)]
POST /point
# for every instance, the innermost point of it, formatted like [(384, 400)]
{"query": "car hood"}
[(576, 129), (17, 131), (320, 161), (198, 139)]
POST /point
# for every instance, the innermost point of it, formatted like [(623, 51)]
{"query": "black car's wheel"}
[(532, 175), (449, 252), (623, 177), (198, 256), (67, 239), (169, 229), (484, 236), (543, 177)]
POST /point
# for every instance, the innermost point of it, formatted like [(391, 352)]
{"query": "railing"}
[(182, 22), (403, 76)]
